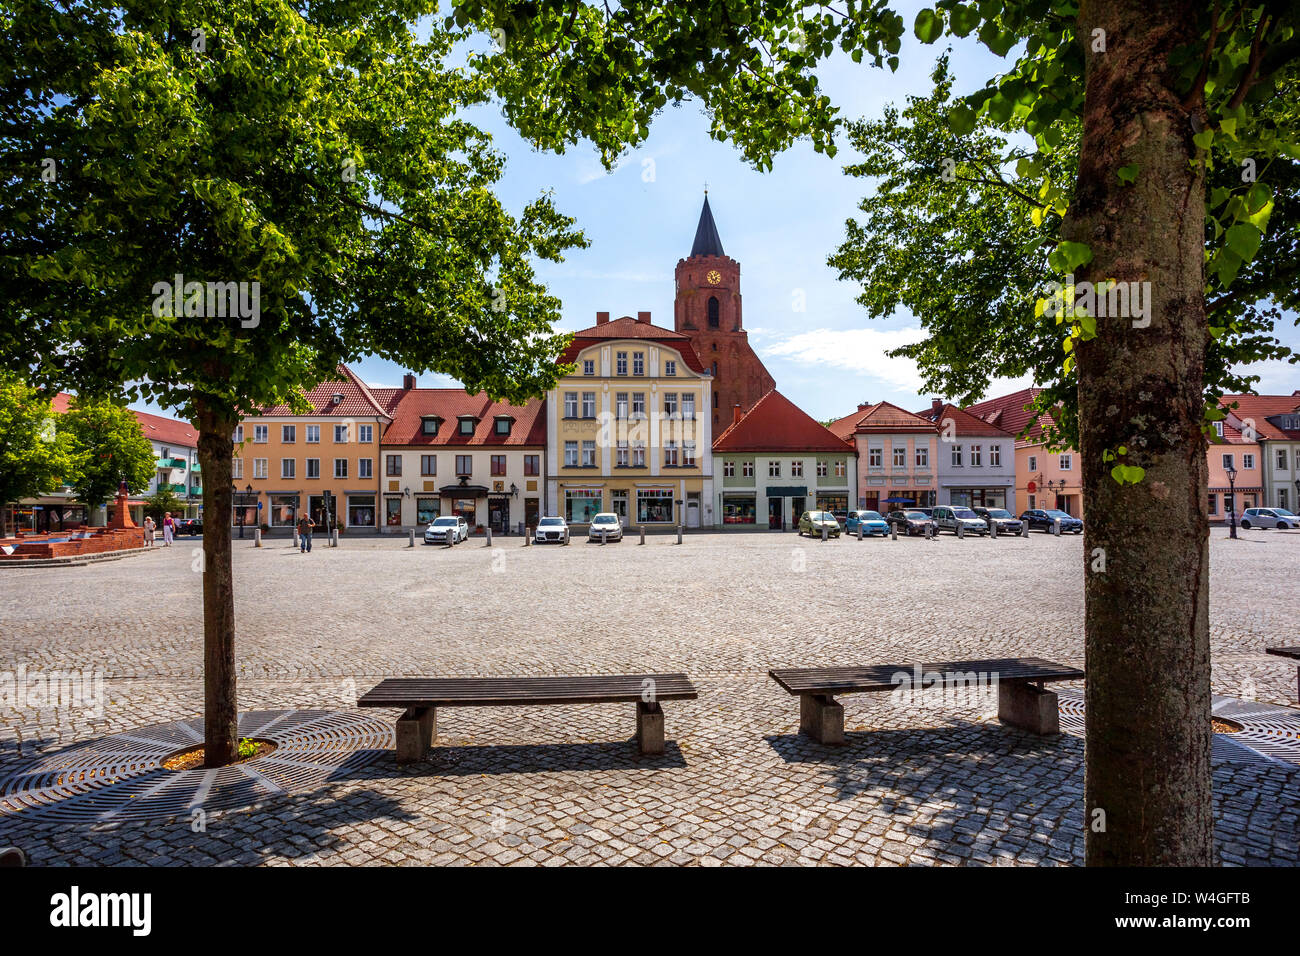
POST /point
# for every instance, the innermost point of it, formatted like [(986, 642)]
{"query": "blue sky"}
[(780, 226)]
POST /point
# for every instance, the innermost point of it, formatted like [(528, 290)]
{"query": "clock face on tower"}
[(714, 277)]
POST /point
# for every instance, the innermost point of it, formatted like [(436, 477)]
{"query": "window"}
[(875, 457), (774, 469), (900, 456), (1033, 465), (670, 404), (571, 454), (260, 434), (581, 504), (570, 404), (589, 454), (688, 454), (841, 469), (654, 505), (428, 464), (340, 434), (688, 405), (288, 434), (995, 456), (671, 459), (713, 311), (1227, 463), (429, 425), (588, 367), (638, 363), (956, 456), (361, 511), (259, 467), (282, 510), (620, 405), (821, 470), (313, 434), (796, 469), (465, 426), (1281, 497), (236, 468), (426, 509), (238, 437), (340, 467), (747, 469), (1066, 462), (464, 465), (1281, 459), (621, 455), (588, 404), (620, 363), (502, 426), (365, 467), (532, 464), (638, 454), (313, 467), (394, 466), (498, 465), (728, 469), (1218, 430), (1214, 501), (975, 456), (1247, 461), (288, 467), (365, 434), (922, 456), (670, 367), (638, 404)]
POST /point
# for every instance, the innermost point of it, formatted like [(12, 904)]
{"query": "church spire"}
[(707, 241)]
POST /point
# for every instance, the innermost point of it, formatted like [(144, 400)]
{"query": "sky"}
[(781, 226)]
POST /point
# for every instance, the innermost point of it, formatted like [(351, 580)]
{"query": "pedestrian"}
[(169, 528), (148, 531), (305, 524)]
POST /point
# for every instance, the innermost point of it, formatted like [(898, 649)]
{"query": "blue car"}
[(871, 521)]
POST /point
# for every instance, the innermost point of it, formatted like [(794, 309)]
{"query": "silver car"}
[(551, 528), (606, 522), (946, 518), (1269, 518)]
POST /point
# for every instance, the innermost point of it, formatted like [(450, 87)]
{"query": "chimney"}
[(602, 318), (408, 381), (643, 318), (735, 414), (862, 407), (935, 406)]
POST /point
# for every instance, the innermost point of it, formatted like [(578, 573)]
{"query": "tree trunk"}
[(1148, 785), (220, 701)]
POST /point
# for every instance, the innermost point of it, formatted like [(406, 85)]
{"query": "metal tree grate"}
[(122, 777), (1268, 732)]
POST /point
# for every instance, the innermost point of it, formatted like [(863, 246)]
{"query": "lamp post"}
[(1232, 500)]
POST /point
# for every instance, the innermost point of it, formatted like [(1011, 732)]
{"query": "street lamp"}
[(1232, 499)]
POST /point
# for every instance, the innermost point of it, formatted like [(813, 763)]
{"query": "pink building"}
[(1230, 446), (898, 455)]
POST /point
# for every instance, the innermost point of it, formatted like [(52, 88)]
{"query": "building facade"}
[(774, 462), (897, 455), (450, 452), (1045, 477), (176, 447), (708, 311), (1274, 421), (1231, 451), (325, 461), (628, 430), (976, 460)]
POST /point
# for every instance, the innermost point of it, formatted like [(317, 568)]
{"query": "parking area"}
[(737, 785)]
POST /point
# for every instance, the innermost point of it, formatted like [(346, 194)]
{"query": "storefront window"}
[(326, 519), (361, 511), (618, 501), (284, 511), (426, 509), (654, 505), (833, 502), (393, 511), (581, 504), (739, 511), (466, 508)]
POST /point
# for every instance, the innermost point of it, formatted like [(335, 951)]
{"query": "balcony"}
[(176, 489), (170, 463), (196, 491)]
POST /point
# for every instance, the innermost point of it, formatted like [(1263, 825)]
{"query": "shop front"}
[(739, 509), (979, 497)]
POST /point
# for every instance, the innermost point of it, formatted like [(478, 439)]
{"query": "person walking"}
[(148, 531), (169, 528), (305, 524)]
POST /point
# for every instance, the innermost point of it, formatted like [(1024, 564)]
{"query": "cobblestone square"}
[(929, 782)]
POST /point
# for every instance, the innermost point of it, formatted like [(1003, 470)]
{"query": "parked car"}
[(812, 523), (928, 512), (870, 521), (550, 528), (910, 521), (1269, 518), (1007, 522), (436, 533), (190, 526), (607, 522), (948, 517), (841, 516), (1042, 519)]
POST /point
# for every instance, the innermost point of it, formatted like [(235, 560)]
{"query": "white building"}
[(976, 460)]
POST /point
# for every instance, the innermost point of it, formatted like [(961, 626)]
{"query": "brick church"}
[(708, 310)]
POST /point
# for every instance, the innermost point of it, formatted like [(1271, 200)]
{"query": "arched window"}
[(713, 311)]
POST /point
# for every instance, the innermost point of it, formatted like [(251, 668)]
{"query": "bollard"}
[(602, 535), (961, 528), (488, 543), (566, 535), (859, 530), (993, 529), (410, 540), (679, 534), (823, 532), (1056, 527), (528, 535), (451, 537), (929, 530), (893, 531), (1024, 529), (643, 534), (257, 537), (296, 542), (334, 538)]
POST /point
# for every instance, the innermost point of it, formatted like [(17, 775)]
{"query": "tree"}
[(35, 453), (1158, 95), (218, 204), (110, 448), (162, 501)]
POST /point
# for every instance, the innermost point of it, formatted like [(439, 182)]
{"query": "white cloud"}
[(861, 351), (1275, 377)]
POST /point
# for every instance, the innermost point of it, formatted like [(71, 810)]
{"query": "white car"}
[(551, 529), (609, 523), (436, 533), (1269, 518)]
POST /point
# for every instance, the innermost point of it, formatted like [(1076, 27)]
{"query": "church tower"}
[(708, 309)]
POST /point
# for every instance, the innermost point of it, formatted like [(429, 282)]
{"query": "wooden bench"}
[(417, 728), (1022, 701), (1294, 654)]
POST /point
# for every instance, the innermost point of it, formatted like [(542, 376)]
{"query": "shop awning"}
[(463, 491)]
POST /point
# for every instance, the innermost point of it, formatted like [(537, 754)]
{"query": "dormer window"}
[(501, 424), (429, 424), (465, 424)]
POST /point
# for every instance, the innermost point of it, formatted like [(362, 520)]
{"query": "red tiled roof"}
[(882, 417), (629, 328), (1008, 412), (776, 424), (529, 427), (159, 428), (964, 423), (1260, 408), (358, 399)]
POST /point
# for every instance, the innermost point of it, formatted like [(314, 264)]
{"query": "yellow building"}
[(629, 431)]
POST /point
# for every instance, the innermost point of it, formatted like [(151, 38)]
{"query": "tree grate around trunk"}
[(122, 777), (1268, 733)]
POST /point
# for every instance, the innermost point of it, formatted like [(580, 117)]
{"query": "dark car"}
[(190, 526), (1007, 522), (911, 521), (1042, 519)]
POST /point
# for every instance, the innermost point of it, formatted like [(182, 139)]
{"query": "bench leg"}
[(821, 718), (650, 727), (416, 730), (1028, 707)]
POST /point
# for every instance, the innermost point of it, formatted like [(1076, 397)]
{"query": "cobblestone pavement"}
[(916, 784)]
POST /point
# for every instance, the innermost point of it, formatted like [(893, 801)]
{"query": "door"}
[(693, 510), (499, 515), (796, 510), (530, 512), (774, 513)]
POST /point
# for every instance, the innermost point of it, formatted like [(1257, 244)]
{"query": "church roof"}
[(707, 240)]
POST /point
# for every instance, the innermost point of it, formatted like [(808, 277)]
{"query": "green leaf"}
[(1068, 256), (961, 119), (1128, 174), (1243, 239), (964, 20), (928, 26)]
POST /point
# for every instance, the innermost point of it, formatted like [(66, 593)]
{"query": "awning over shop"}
[(463, 491)]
